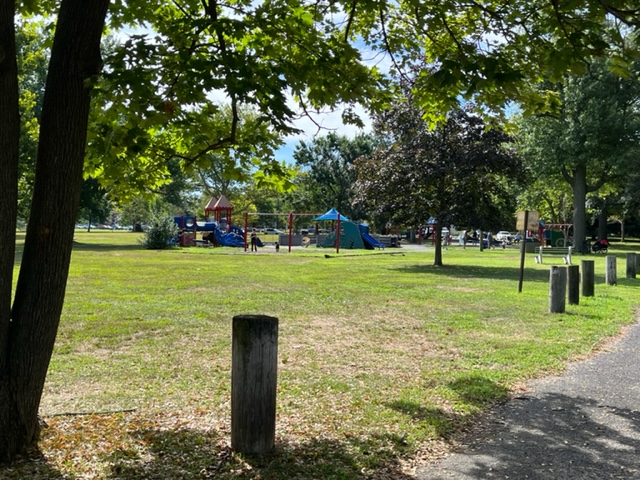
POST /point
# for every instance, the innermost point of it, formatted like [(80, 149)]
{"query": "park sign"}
[(530, 216)]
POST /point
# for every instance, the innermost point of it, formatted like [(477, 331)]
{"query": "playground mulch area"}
[(385, 362)]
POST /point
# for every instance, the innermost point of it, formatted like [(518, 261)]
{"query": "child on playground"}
[(277, 247)]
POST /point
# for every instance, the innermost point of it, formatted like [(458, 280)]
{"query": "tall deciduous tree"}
[(28, 328), (328, 162), (588, 143), (458, 173)]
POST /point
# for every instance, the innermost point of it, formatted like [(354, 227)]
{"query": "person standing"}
[(254, 241)]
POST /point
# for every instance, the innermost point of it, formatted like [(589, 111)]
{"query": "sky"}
[(331, 122)]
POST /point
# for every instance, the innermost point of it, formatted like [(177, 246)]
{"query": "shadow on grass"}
[(33, 466), (476, 271), (105, 247), (194, 454), (507, 273), (474, 390), (89, 247), (479, 391)]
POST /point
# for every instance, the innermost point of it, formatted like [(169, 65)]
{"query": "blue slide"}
[(228, 239), (370, 242)]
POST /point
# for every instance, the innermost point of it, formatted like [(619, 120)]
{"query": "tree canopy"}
[(589, 143), (329, 170), (458, 173)]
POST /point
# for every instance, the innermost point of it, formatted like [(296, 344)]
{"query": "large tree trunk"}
[(437, 258), (75, 58), (602, 222), (579, 209), (9, 143)]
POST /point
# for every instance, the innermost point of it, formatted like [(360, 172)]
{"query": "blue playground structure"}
[(352, 236), (188, 224), (369, 242)]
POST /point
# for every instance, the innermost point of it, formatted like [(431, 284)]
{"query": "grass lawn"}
[(384, 360)]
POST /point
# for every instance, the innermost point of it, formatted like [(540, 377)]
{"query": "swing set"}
[(290, 217)]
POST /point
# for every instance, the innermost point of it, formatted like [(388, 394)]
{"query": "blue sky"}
[(331, 122)]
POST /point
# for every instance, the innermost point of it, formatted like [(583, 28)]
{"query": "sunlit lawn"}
[(383, 359)]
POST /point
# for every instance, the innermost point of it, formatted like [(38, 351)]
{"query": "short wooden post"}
[(573, 277), (253, 383), (610, 276), (557, 289), (588, 278), (631, 265)]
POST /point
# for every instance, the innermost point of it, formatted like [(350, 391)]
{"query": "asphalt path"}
[(584, 424)]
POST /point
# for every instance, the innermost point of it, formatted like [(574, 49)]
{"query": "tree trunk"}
[(579, 209), (75, 58), (437, 258), (602, 222), (9, 148)]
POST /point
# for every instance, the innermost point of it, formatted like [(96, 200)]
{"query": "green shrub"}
[(161, 231)]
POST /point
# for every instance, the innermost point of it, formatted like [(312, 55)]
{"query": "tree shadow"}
[(549, 437), (540, 275), (105, 247), (441, 421), (474, 390), (479, 391), (32, 465), (194, 454), (476, 271)]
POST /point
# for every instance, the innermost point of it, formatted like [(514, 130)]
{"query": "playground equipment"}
[(556, 235), (190, 227), (347, 234), (229, 236), (282, 239), (352, 236), (218, 207)]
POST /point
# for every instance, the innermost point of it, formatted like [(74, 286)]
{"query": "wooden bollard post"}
[(610, 275), (631, 265), (573, 291), (588, 278), (253, 383), (557, 289)]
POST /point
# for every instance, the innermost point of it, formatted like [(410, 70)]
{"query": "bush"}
[(161, 231)]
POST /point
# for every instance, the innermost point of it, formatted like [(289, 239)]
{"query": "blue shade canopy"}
[(332, 215)]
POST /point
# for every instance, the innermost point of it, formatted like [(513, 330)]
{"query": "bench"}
[(564, 252)]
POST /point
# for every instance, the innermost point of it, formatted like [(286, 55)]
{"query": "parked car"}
[(503, 236), (272, 231)]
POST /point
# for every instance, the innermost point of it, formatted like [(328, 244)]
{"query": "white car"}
[(503, 236)]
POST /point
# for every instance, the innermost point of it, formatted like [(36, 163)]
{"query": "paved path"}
[(584, 424)]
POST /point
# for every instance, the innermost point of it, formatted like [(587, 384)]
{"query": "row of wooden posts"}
[(565, 282)]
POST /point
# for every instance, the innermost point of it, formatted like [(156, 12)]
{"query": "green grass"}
[(383, 359)]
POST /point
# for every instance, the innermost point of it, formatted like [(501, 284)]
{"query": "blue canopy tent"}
[(334, 215)]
